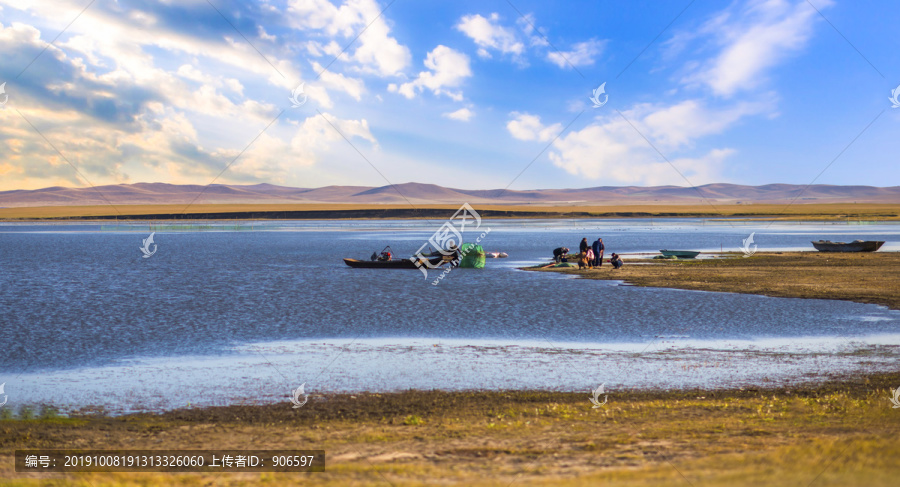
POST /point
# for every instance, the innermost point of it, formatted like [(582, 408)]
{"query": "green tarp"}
[(473, 256)]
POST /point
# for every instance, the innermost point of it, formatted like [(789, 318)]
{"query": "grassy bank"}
[(834, 211), (838, 433), (870, 277)]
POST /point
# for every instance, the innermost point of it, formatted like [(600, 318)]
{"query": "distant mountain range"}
[(419, 194)]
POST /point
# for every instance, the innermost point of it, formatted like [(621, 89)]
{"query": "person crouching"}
[(616, 261), (559, 254)]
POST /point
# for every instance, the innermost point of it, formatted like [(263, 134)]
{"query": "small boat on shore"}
[(854, 246), (681, 254)]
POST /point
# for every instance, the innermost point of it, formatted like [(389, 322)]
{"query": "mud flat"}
[(841, 432), (865, 277)]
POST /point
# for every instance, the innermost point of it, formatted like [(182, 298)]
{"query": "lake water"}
[(231, 314)]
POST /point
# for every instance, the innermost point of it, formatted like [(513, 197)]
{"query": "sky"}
[(471, 95)]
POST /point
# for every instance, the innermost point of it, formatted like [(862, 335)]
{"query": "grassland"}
[(871, 277), (836, 211), (837, 433)]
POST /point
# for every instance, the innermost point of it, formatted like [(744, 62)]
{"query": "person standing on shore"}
[(583, 246), (598, 249)]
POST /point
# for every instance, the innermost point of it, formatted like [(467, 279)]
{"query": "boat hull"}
[(681, 254), (857, 246), (387, 264)]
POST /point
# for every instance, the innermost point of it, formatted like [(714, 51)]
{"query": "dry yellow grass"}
[(869, 277), (840, 433), (842, 211)]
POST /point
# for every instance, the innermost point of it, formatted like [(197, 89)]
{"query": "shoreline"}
[(721, 437), (865, 277)]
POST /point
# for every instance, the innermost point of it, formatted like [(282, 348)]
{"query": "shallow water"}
[(81, 307), (267, 372)]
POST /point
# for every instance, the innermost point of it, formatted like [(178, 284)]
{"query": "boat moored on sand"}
[(681, 254), (854, 246)]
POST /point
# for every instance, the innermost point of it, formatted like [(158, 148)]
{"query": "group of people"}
[(589, 255)]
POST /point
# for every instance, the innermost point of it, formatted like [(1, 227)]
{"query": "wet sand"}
[(866, 277)]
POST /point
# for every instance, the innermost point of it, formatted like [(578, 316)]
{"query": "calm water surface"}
[(81, 297)]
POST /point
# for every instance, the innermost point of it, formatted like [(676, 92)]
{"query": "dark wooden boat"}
[(854, 246), (681, 254), (388, 264)]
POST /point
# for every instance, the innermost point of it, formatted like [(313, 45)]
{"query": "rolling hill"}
[(418, 194)]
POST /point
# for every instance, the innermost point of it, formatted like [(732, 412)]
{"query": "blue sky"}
[(461, 94)]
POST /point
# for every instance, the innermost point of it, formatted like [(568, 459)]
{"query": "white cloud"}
[(582, 54), (525, 126), (190, 72), (381, 53), (108, 36), (463, 115), (234, 85), (120, 115), (678, 125), (376, 51), (272, 159), (526, 23), (166, 148), (752, 40), (324, 15), (264, 35), (612, 149), (318, 49), (145, 19), (447, 68), (487, 33), (352, 86)]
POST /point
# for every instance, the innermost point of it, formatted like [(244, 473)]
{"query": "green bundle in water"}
[(472, 256)]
